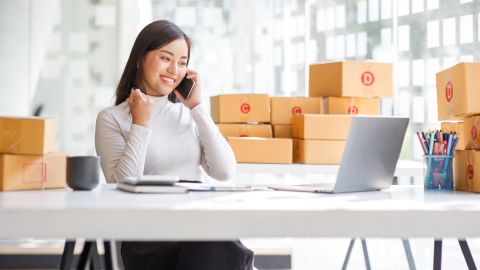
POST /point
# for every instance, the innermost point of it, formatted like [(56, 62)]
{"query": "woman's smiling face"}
[(164, 68)]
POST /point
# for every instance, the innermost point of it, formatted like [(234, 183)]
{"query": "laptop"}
[(369, 159)]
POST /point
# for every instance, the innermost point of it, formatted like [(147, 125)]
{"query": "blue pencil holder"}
[(438, 172)]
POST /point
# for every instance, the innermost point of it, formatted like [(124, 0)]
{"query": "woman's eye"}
[(165, 58), (183, 64)]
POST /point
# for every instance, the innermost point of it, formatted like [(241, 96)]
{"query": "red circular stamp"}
[(245, 108), (449, 91), (473, 132), (368, 78), (296, 110), (470, 171), (352, 110)]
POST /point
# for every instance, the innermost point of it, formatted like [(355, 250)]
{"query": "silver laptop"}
[(369, 159)]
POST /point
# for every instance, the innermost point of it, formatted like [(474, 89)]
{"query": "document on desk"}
[(220, 186)]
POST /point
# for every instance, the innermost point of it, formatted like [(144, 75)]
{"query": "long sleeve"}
[(120, 157), (217, 157)]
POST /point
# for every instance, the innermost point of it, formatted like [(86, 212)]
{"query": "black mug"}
[(83, 172)]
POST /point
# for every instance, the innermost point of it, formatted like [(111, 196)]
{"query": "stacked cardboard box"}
[(283, 108), (347, 89), (244, 119), (27, 157), (458, 99)]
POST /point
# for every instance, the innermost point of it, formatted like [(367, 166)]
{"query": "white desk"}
[(403, 211)]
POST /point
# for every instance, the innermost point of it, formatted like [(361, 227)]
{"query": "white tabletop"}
[(402, 211)]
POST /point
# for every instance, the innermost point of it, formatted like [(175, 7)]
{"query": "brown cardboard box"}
[(351, 105), (284, 107), (468, 132), (282, 131), (350, 79), (261, 150), (27, 135), (318, 151), (20, 172), (321, 127), (240, 108), (466, 170), (457, 91), (245, 130)]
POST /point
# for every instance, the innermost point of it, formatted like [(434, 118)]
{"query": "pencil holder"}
[(438, 172)]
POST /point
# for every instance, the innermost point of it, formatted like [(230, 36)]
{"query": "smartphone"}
[(185, 87)]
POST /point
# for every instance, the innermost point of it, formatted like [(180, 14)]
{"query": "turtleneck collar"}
[(160, 101)]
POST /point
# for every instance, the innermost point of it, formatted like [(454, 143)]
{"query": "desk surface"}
[(402, 211)]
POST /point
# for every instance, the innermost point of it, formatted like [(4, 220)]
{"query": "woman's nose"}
[(173, 69)]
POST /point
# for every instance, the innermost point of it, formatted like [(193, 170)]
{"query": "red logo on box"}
[(449, 91), (296, 110), (473, 132), (470, 171), (245, 108), (368, 78), (352, 110)]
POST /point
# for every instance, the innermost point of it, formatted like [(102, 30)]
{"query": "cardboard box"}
[(21, 172), (466, 170), (27, 135), (282, 131), (321, 127), (245, 130), (468, 132), (457, 91), (239, 108), (318, 151), (350, 79), (261, 150), (351, 105), (284, 107)]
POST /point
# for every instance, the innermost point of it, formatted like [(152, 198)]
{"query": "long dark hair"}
[(153, 36)]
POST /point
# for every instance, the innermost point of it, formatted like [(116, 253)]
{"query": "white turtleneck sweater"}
[(177, 142)]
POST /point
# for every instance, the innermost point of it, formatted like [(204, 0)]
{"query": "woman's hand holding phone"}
[(195, 96), (141, 107)]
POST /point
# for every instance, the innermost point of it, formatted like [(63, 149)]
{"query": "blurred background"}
[(63, 58)]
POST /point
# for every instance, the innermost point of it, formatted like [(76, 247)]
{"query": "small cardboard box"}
[(350, 79), (240, 108), (466, 170), (321, 127), (468, 132), (21, 172), (352, 105), (245, 130), (318, 151), (261, 150), (457, 91), (27, 135), (282, 131), (284, 107)]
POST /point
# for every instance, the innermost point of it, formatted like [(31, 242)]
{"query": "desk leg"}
[(467, 254), (67, 256), (349, 252), (437, 255), (108, 255), (94, 257), (408, 253), (82, 260), (365, 254)]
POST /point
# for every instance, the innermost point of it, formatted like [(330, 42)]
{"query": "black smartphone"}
[(185, 87)]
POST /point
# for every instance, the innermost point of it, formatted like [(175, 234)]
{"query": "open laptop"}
[(369, 159)]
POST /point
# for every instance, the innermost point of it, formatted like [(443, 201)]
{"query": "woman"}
[(149, 132)]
